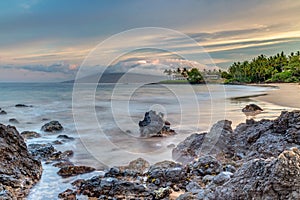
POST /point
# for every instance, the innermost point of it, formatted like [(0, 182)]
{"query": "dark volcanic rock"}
[(68, 171), (30, 134), (154, 125), (2, 112), (13, 120), (52, 126), (189, 149), (22, 106), (19, 171), (274, 178), (65, 137), (249, 140), (206, 165), (68, 195), (251, 110), (138, 166), (41, 151)]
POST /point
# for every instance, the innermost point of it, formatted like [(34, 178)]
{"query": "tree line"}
[(193, 75), (263, 69)]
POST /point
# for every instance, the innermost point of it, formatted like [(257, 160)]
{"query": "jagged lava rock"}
[(19, 171), (218, 139), (273, 178), (52, 126), (154, 125), (253, 139)]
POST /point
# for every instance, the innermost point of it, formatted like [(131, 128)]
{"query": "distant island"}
[(279, 68)]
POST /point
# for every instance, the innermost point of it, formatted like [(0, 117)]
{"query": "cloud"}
[(63, 68)]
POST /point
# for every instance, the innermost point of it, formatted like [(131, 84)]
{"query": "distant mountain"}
[(120, 78)]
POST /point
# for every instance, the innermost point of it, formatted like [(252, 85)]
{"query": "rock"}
[(249, 140), (187, 196), (273, 178), (222, 178), (52, 126), (14, 121), (30, 134), (188, 149), (230, 168), (154, 125), (19, 171), (65, 137), (218, 140), (193, 187), (22, 106), (139, 166), (206, 165), (171, 146), (109, 188), (63, 164), (162, 193), (68, 171), (68, 195), (167, 173), (2, 112), (251, 109), (41, 151)]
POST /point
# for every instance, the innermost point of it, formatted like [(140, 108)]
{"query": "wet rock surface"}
[(67, 171), (14, 121), (52, 126), (22, 106), (2, 112), (19, 171), (30, 134), (154, 125)]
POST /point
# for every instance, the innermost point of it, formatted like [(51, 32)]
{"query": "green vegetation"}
[(192, 76), (262, 69)]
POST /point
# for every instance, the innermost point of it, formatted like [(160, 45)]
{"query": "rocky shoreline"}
[(256, 160)]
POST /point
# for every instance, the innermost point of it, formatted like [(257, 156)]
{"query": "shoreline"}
[(285, 94)]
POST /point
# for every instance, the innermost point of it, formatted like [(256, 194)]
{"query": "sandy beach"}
[(287, 95)]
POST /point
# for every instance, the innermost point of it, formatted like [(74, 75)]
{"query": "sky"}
[(48, 40)]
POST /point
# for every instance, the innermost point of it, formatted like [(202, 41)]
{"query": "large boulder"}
[(218, 140), (19, 171), (52, 126), (273, 178), (154, 125)]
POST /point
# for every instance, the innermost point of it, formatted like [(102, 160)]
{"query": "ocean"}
[(104, 119)]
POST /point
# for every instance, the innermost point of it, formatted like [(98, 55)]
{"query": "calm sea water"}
[(104, 120)]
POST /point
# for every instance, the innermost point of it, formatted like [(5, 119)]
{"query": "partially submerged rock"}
[(22, 106), (252, 109), (68, 171), (154, 125), (52, 126), (19, 171), (2, 112), (14, 121), (30, 134)]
